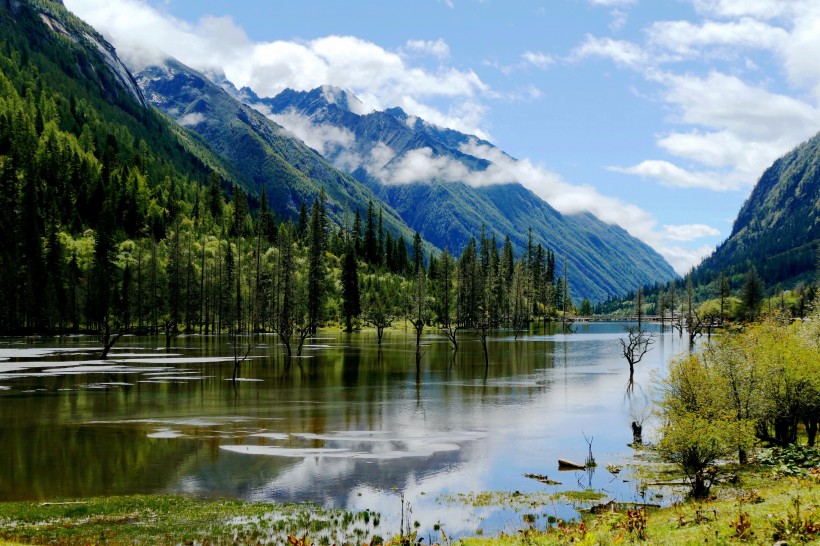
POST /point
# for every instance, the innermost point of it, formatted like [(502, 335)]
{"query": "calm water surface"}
[(347, 426)]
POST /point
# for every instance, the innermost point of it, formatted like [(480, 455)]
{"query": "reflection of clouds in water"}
[(39, 352), (412, 449), (165, 433)]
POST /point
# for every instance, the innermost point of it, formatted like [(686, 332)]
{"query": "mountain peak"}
[(341, 98)]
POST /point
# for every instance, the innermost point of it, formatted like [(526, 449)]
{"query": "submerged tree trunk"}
[(108, 340)]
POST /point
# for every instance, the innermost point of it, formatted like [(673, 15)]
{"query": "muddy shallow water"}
[(348, 425)]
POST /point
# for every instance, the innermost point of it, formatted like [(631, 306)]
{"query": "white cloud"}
[(538, 59), (145, 35), (436, 48), (328, 140), (672, 175), (683, 259), (764, 9), (619, 19), (798, 51), (686, 38), (189, 120), (622, 52), (689, 232)]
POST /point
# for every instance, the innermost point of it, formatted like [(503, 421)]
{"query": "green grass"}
[(177, 520), (760, 507)]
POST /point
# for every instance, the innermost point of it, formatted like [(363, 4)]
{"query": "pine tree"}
[(371, 251), (303, 222), (389, 256), (102, 276), (752, 294), (401, 261), (380, 243), (356, 236), (316, 265), (418, 253), (350, 288), (214, 197), (470, 286)]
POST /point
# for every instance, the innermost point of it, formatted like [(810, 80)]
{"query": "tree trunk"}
[(811, 429)]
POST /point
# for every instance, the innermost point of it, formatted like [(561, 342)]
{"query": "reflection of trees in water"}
[(80, 461)]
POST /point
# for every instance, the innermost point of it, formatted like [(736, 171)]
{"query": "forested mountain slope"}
[(80, 151), (267, 155), (778, 228), (604, 260)]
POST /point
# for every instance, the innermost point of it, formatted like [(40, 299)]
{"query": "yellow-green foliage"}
[(758, 383)]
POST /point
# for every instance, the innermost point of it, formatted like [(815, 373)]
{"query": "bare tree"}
[(635, 346), (420, 313), (108, 339)]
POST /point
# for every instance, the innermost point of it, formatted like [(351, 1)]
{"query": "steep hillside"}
[(778, 228), (267, 155), (376, 148)]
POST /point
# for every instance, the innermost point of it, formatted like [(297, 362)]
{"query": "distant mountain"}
[(380, 148), (265, 153), (778, 228)]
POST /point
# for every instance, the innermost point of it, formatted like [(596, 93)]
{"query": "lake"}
[(349, 425)]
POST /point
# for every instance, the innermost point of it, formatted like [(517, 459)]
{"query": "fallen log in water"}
[(566, 464), (542, 478)]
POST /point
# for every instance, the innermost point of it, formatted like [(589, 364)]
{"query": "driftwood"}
[(542, 478), (566, 464)]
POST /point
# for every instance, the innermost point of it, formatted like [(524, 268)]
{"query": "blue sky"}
[(658, 115)]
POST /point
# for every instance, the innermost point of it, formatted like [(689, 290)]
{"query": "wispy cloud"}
[(538, 59), (437, 48), (729, 128), (622, 52), (382, 78)]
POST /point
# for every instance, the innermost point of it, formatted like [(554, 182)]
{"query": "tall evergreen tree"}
[(418, 253), (380, 243), (371, 250), (214, 197), (102, 277), (350, 288), (316, 265), (752, 294)]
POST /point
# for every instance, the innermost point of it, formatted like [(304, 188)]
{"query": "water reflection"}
[(351, 424)]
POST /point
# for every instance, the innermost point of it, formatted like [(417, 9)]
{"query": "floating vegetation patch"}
[(588, 495), (516, 500)]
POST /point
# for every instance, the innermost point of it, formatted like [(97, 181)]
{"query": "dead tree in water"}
[(635, 346), (108, 340)]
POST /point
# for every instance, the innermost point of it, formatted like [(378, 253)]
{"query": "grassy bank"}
[(755, 504), (161, 519), (759, 508)]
